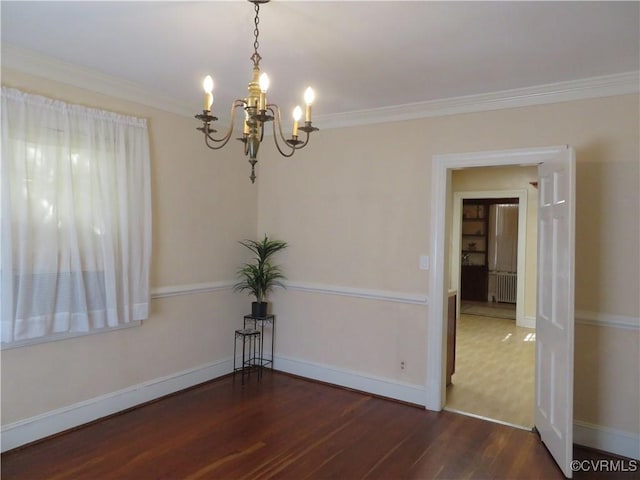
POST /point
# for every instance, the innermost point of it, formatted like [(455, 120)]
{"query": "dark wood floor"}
[(290, 428)]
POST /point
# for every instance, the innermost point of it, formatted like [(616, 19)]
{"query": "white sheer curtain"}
[(503, 237), (76, 218)]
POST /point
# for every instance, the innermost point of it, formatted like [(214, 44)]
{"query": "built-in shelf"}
[(475, 225)]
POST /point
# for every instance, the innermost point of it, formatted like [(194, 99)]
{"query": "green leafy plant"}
[(260, 276)]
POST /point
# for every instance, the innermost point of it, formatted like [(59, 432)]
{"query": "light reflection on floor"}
[(495, 365)]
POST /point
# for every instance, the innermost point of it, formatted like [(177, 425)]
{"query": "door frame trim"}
[(441, 218)]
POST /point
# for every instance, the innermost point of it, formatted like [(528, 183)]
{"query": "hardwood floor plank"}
[(286, 428), (379, 425)]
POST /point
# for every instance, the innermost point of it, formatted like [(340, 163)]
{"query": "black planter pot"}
[(259, 309)]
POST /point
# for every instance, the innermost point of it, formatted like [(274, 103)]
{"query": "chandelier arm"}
[(277, 118), (224, 140), (277, 115), (297, 145), (275, 110), (306, 140), (284, 154), (303, 144), (208, 138)]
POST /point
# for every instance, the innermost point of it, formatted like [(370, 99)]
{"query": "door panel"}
[(555, 306)]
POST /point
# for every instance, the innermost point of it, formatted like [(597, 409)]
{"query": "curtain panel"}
[(75, 206), (503, 237)]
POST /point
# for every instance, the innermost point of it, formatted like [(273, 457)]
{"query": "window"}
[(75, 207)]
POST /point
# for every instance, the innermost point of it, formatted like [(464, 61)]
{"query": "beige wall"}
[(509, 178), (355, 206), (202, 204)]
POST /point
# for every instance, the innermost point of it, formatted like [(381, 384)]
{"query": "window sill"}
[(65, 336)]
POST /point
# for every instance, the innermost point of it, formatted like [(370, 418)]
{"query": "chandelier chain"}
[(256, 56)]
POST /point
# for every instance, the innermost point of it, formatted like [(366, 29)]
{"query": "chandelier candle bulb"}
[(297, 113), (309, 96), (264, 86), (207, 84)]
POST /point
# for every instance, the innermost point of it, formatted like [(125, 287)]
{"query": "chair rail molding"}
[(382, 295), (191, 289), (602, 319)]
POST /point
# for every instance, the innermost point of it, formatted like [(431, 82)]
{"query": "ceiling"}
[(357, 55)]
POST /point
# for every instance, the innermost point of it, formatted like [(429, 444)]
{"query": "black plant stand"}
[(258, 322), (250, 338)]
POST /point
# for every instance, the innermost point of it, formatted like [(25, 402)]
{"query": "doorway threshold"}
[(488, 419)]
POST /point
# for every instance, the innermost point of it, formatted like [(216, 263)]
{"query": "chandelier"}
[(257, 112)]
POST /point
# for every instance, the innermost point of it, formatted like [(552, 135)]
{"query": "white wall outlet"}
[(424, 262)]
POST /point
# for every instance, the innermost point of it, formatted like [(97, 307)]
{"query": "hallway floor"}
[(495, 367), (489, 309)]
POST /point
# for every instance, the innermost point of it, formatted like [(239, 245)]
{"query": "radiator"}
[(506, 286)]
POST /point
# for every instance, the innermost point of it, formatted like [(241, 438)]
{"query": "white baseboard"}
[(595, 436), (405, 392), (40, 426), (622, 443), (528, 322)]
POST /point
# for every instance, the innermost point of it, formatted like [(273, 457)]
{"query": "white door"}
[(555, 306)]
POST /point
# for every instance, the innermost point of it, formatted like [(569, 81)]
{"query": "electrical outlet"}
[(402, 365), (424, 262)]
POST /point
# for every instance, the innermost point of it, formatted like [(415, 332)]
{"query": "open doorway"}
[(493, 241), (555, 280), (489, 256), (483, 184)]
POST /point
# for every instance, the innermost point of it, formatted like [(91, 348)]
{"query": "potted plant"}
[(260, 276)]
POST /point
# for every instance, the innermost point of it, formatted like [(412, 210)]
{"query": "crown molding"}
[(617, 84), (33, 63), (594, 87)]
